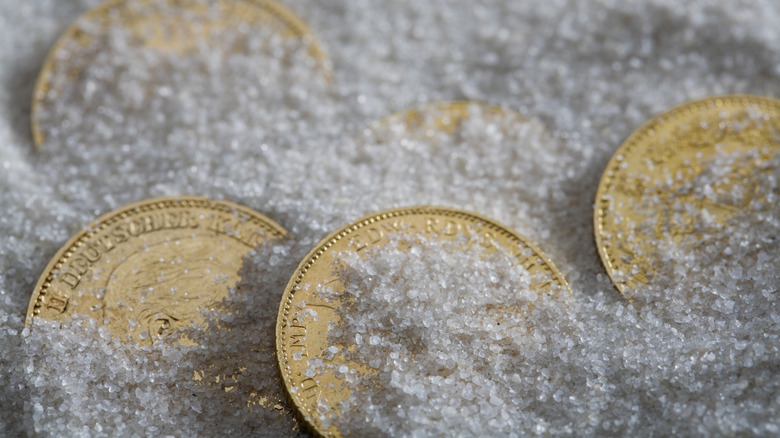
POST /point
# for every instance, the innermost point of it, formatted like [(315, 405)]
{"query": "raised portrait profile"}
[(168, 286)]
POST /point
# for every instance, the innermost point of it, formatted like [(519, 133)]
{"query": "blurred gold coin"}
[(300, 336), (444, 118), (688, 167), (168, 26), (151, 268)]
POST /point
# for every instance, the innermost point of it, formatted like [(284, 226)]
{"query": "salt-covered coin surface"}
[(151, 268), (399, 322), (169, 30), (681, 177), (445, 118), (163, 275)]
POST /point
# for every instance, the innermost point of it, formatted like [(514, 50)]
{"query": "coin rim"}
[(331, 239), (82, 237), (43, 82), (637, 138)]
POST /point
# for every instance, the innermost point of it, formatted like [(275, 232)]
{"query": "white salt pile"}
[(696, 354)]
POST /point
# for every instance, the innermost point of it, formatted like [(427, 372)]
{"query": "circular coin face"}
[(314, 301), (152, 267), (177, 27), (693, 165)]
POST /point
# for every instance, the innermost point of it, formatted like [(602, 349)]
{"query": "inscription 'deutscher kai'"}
[(236, 227)]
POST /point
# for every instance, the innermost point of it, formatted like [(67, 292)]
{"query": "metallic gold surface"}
[(310, 338), (661, 159), (151, 28), (152, 267)]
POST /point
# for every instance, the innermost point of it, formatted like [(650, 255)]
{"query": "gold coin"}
[(650, 192), (444, 117), (168, 26), (298, 337), (151, 268)]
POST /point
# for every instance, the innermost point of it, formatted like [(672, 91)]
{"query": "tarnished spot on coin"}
[(174, 26), (151, 268), (300, 336), (660, 183)]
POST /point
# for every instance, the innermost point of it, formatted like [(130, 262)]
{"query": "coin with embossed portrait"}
[(151, 268), (392, 297), (681, 177), (145, 49)]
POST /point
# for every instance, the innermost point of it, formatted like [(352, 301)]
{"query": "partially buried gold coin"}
[(445, 118), (317, 374), (151, 268), (177, 27), (689, 167)]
